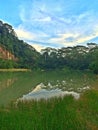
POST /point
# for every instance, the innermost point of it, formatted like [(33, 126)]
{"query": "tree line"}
[(76, 57)]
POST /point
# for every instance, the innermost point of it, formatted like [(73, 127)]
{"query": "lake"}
[(43, 84)]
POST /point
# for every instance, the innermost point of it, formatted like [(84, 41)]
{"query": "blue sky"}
[(53, 23)]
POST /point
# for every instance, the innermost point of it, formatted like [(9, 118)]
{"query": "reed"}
[(54, 114)]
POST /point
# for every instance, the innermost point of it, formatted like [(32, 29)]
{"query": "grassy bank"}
[(54, 114)]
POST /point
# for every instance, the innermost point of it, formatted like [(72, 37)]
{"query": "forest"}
[(78, 57)]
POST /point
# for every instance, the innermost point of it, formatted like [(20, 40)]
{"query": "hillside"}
[(13, 49), (15, 53)]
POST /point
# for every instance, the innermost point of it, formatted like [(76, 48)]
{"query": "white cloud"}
[(44, 24), (61, 39), (78, 38), (85, 39), (45, 19), (24, 34), (22, 13), (37, 46)]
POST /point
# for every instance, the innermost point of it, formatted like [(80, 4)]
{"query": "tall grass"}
[(54, 114)]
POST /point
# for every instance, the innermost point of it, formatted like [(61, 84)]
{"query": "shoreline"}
[(15, 70)]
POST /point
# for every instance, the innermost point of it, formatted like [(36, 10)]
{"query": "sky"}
[(52, 23)]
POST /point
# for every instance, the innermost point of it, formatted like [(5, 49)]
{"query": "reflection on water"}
[(6, 83), (47, 85), (44, 92)]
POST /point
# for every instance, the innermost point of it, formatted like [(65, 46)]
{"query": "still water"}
[(36, 85), (42, 91)]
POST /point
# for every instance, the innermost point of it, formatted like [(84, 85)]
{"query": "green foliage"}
[(26, 54), (94, 67), (53, 114), (94, 59), (76, 57), (6, 64)]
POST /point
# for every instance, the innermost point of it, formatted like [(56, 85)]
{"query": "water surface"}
[(42, 92), (13, 85)]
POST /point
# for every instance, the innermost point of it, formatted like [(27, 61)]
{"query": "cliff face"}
[(14, 49), (4, 54), (6, 35)]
